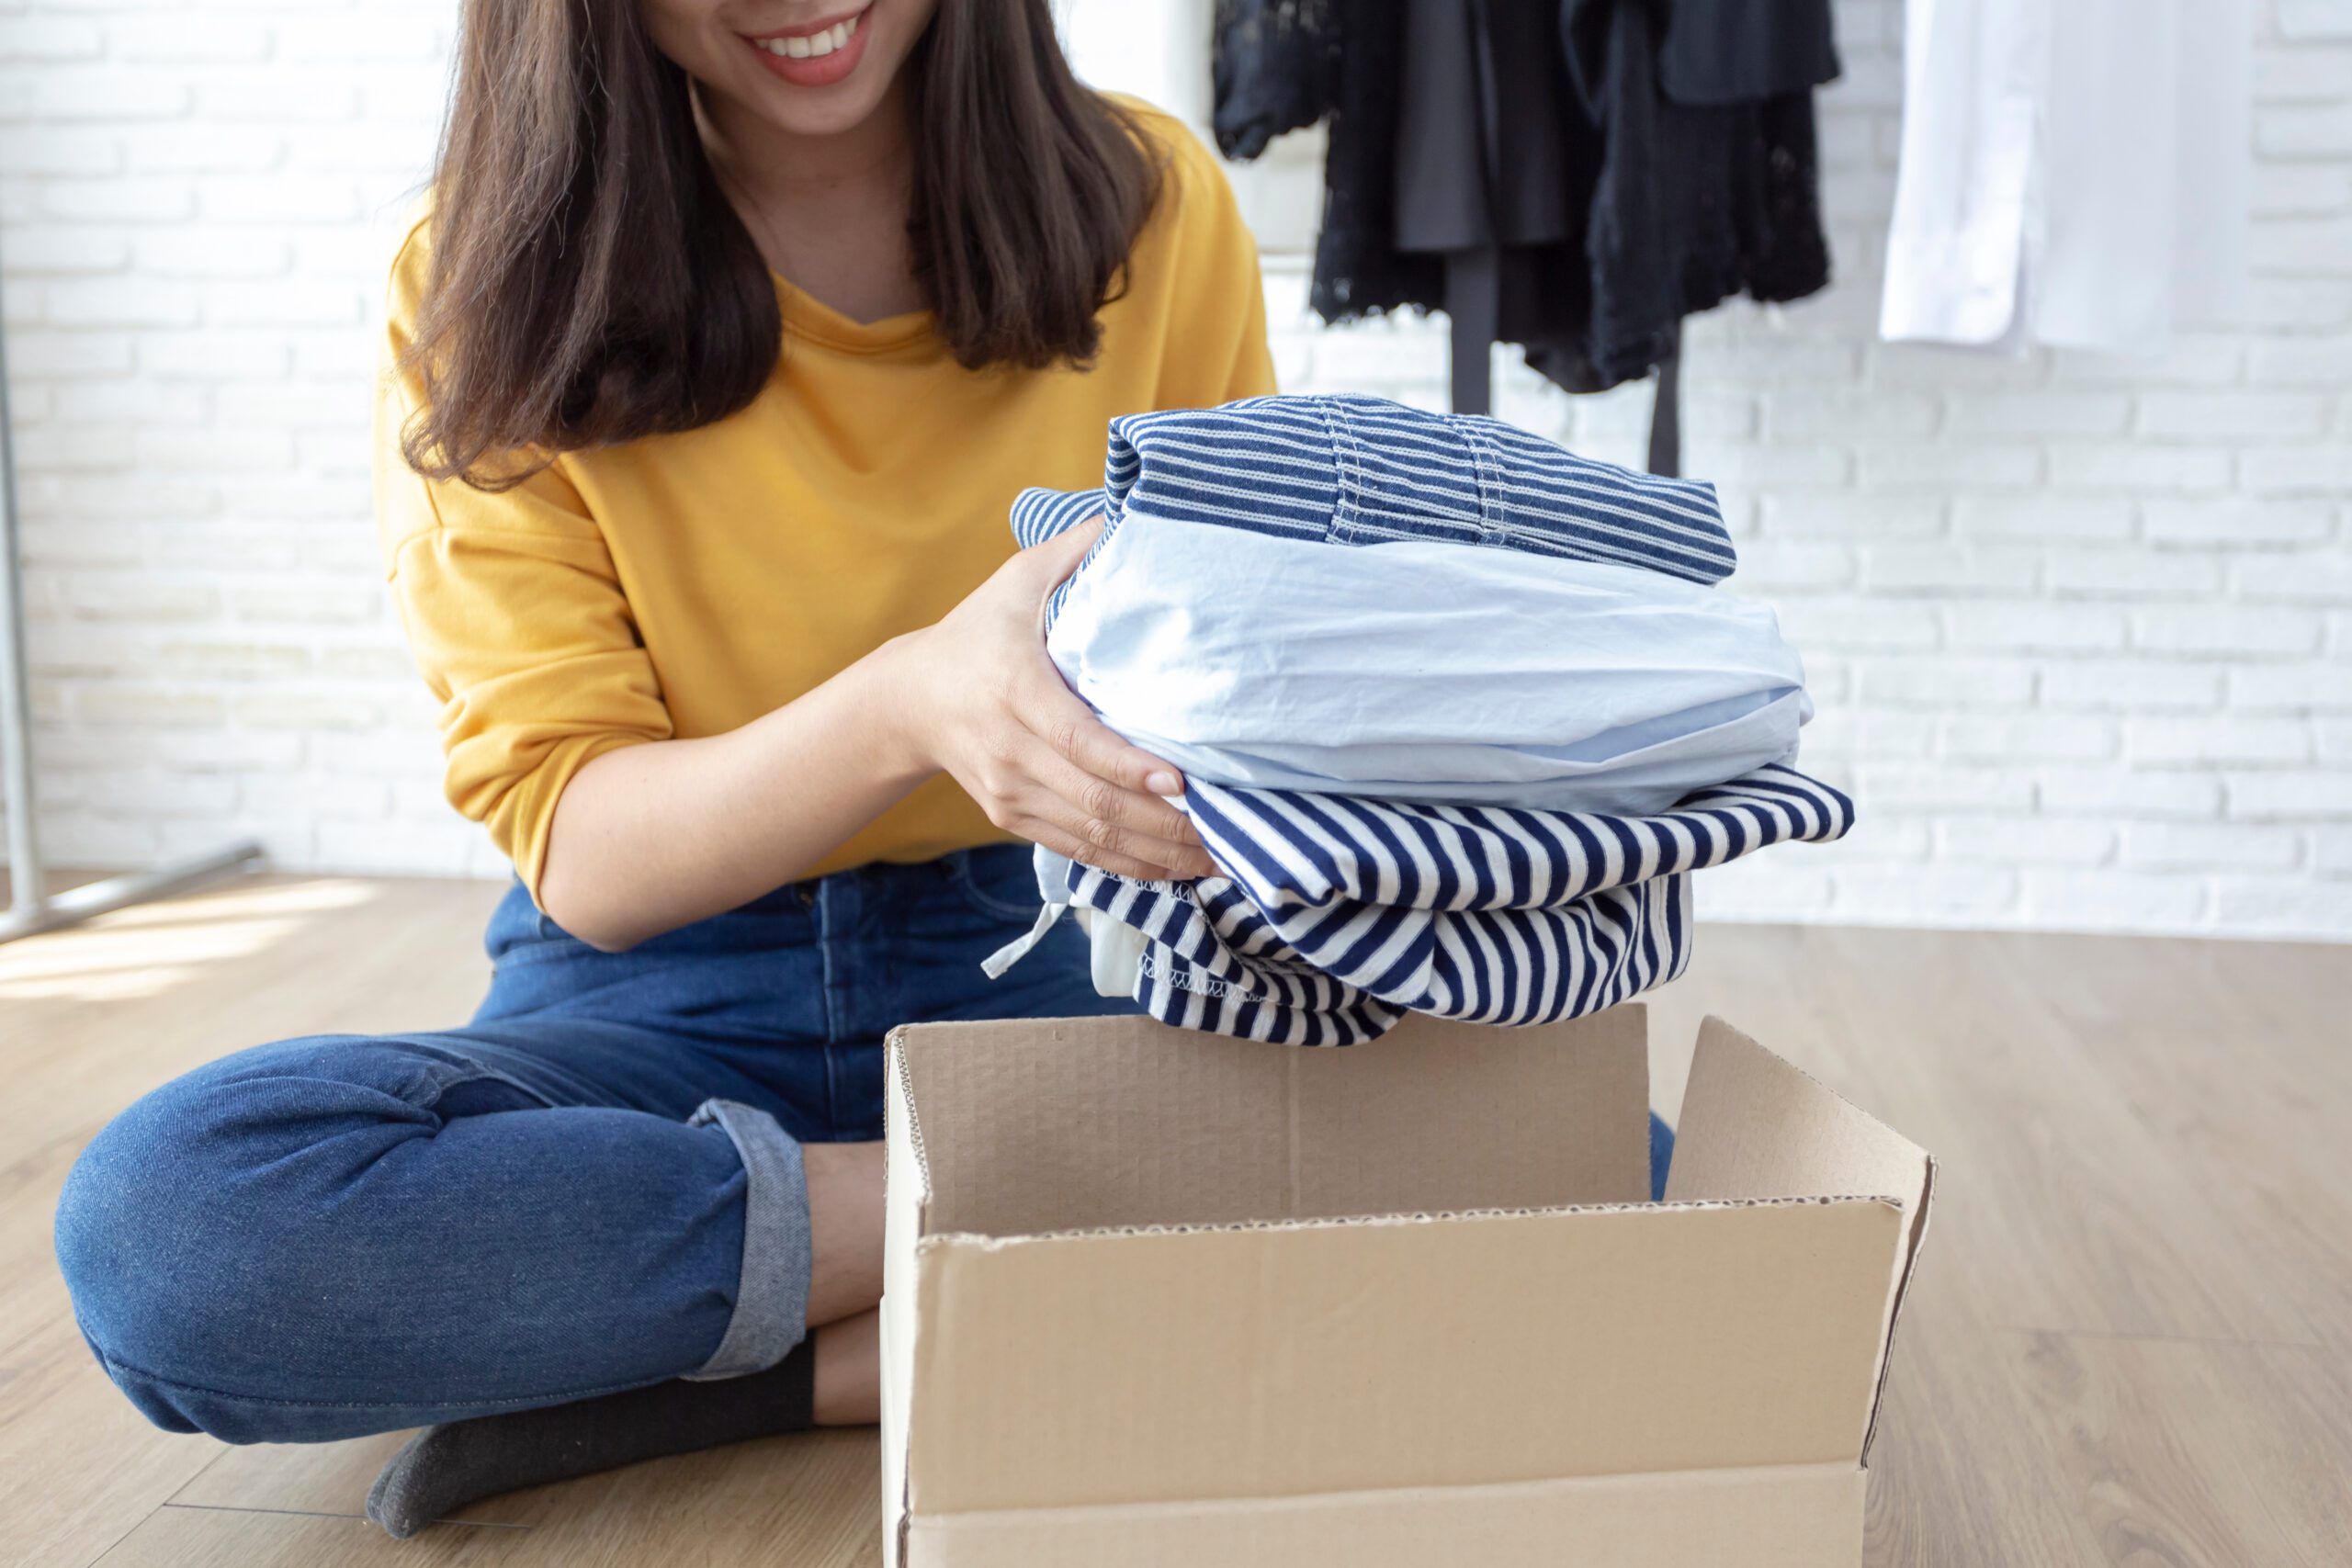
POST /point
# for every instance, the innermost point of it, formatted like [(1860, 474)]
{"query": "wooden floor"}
[(2131, 1342)]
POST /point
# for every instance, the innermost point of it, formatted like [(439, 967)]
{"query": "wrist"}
[(890, 692)]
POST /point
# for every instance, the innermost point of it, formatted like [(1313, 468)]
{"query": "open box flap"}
[(1349, 1355), (1754, 1126), (1055, 1124)]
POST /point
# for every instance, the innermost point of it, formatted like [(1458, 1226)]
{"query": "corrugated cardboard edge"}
[(1901, 1291), (935, 1239), (1724, 1055), (905, 1191), (1781, 1516)]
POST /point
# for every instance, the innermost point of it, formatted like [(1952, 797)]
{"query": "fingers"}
[(1062, 841), (1113, 848), (1096, 795), (1111, 821), (1057, 718), (1059, 556)]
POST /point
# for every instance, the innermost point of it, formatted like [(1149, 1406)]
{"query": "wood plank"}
[(320, 1478), (202, 1538), (1954, 1481), (812, 1500), (2246, 1091), (94, 1016), (2061, 1208), (2052, 1450), (834, 1470), (2127, 1346), (2181, 1452), (241, 966), (31, 1294), (78, 1466), (815, 1499)]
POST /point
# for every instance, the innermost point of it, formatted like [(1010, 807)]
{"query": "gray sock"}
[(444, 1468)]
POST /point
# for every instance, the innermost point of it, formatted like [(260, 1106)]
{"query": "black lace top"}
[(1685, 158)]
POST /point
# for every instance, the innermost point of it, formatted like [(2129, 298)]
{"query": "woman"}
[(733, 328)]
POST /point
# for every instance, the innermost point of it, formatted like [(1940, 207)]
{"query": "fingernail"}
[(1161, 782)]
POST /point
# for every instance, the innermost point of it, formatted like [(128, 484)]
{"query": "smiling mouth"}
[(811, 45)]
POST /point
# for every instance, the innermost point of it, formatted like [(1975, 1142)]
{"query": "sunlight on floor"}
[(145, 951)]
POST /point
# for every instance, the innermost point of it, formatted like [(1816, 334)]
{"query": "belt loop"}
[(1346, 472), (1487, 475)]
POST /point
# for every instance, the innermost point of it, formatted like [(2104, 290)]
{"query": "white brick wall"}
[(2080, 630), (199, 203)]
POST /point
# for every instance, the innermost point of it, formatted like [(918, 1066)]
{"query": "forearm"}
[(649, 838), (652, 837)]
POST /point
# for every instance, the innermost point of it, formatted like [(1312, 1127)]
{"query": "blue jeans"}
[(594, 1185)]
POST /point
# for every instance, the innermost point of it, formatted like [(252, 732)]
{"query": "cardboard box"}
[(1160, 1298)]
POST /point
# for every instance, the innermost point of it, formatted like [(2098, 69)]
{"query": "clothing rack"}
[(1470, 368), (32, 908)]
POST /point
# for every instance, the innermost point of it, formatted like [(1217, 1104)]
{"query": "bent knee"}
[(195, 1223)]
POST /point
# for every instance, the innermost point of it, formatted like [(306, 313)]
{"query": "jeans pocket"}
[(998, 881)]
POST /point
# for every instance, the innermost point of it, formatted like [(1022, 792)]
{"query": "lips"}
[(813, 56)]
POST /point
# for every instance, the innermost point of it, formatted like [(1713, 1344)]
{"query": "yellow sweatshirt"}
[(682, 585)]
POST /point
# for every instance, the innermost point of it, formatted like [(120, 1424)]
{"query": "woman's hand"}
[(981, 700)]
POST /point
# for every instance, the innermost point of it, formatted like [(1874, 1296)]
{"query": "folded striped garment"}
[(1359, 470), (1339, 911), (1339, 915)]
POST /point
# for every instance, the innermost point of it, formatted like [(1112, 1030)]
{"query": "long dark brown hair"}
[(590, 284)]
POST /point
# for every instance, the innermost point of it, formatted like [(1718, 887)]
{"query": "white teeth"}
[(813, 46)]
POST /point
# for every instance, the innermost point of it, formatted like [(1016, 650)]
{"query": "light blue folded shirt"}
[(1421, 671)]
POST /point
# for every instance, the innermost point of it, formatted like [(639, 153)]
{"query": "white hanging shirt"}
[(2074, 172)]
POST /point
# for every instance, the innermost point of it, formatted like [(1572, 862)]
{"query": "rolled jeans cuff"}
[(772, 1296)]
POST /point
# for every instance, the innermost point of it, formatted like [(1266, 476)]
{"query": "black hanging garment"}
[(1573, 176), (1485, 177)]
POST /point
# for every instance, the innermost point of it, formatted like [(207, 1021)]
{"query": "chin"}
[(814, 111)]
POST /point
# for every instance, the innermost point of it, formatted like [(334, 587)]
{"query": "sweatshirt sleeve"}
[(1220, 319), (516, 617)]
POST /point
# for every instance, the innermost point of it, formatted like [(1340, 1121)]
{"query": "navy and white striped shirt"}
[(1358, 470), (1340, 914)]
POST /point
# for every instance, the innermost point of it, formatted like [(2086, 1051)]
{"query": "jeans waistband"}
[(784, 915)]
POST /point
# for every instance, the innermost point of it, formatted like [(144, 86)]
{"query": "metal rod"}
[(31, 907), (95, 898), (24, 875)]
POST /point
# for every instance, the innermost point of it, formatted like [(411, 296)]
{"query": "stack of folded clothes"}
[(1462, 763)]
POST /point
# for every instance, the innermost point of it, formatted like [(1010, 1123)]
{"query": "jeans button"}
[(807, 895)]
